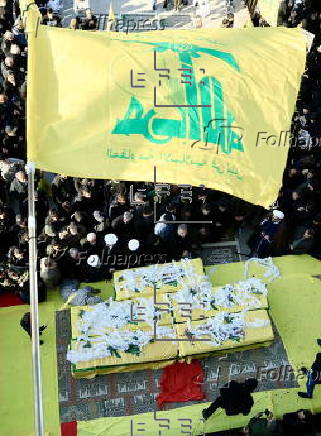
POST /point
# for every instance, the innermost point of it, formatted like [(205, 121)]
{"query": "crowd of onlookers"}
[(75, 217)]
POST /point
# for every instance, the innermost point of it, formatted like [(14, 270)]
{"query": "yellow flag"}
[(269, 11), (214, 111), (31, 17), (242, 19), (111, 17)]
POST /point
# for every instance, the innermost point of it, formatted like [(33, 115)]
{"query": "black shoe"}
[(41, 342), (319, 342), (304, 395), (42, 328)]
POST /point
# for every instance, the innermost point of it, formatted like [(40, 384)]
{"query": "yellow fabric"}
[(295, 305), (94, 124), (91, 373), (31, 17), (269, 10), (242, 18), (111, 17), (152, 352), (121, 426), (253, 335), (123, 293), (16, 392)]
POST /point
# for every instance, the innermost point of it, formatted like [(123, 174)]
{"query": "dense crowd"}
[(88, 228)]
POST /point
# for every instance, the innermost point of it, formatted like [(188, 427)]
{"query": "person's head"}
[(317, 220), (121, 199), (78, 216), (128, 216), (86, 193), (171, 208), (66, 206), (295, 195), (3, 98), (303, 414), (182, 230), (55, 244), (10, 131), (91, 238), (18, 253), (74, 253), (88, 13), (15, 49), (251, 384), (147, 211), (50, 13), (139, 197), (222, 206), (186, 214), (19, 220), (98, 215), (53, 215), (9, 61), (133, 244), (21, 176), (309, 234), (292, 172), (8, 36), (277, 216), (93, 261), (63, 233), (206, 209), (110, 239), (73, 24), (73, 228)]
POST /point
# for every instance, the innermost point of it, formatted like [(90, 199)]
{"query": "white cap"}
[(278, 214), (91, 236), (110, 239), (93, 260), (133, 244)]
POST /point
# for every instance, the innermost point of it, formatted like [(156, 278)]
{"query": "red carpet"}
[(181, 382), (69, 428), (7, 299)]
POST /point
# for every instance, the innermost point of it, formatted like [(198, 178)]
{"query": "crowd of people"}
[(75, 217), (88, 228)]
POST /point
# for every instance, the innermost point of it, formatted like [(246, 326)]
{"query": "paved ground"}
[(135, 392)]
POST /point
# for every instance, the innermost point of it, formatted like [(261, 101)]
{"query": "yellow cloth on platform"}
[(160, 350), (125, 288), (295, 305), (182, 312), (108, 114), (252, 335)]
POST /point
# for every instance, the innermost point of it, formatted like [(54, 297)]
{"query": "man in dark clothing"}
[(235, 399), (297, 423), (314, 377), (25, 323), (304, 244)]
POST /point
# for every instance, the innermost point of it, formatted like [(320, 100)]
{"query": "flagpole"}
[(33, 290)]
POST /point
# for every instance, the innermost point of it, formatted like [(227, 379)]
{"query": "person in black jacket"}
[(314, 377), (235, 398), (25, 323)]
